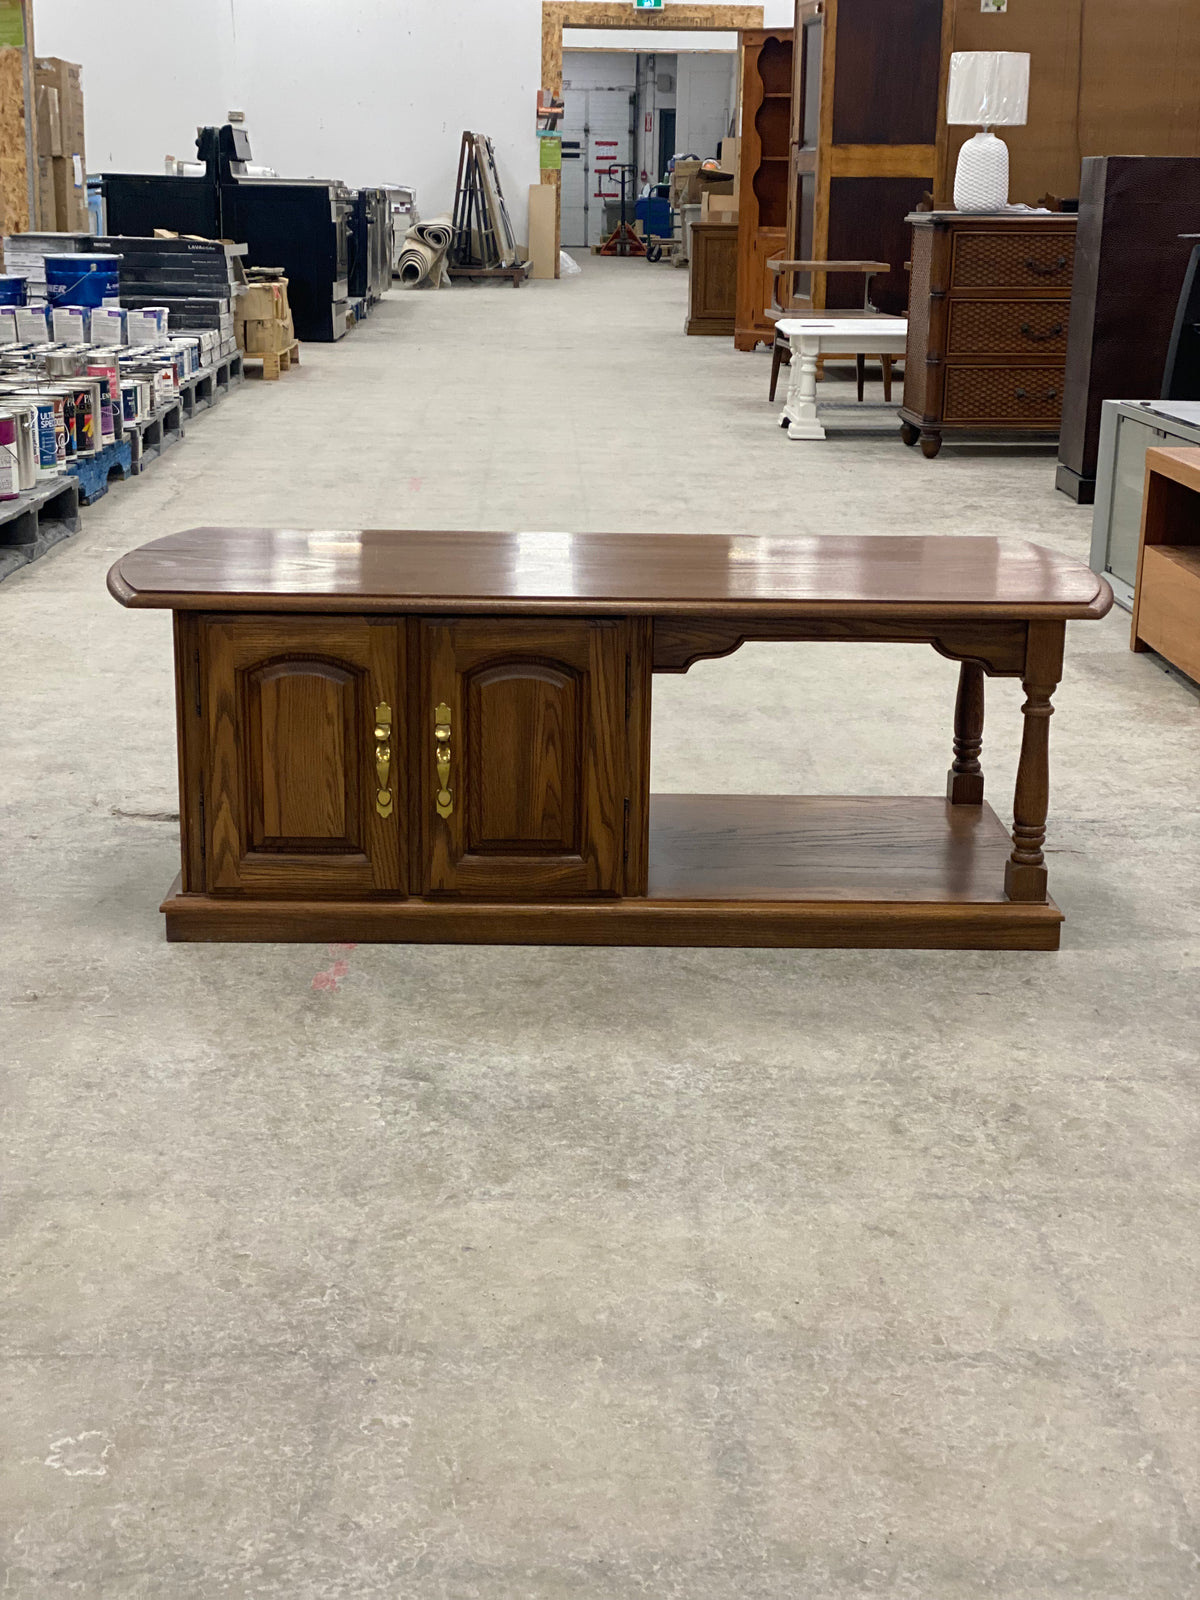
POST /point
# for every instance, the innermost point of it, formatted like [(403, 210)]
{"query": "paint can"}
[(13, 289), (86, 443), (129, 400), (10, 471), (47, 437), (110, 380), (25, 412), (83, 280)]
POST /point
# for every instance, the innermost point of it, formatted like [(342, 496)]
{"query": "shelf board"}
[(824, 847)]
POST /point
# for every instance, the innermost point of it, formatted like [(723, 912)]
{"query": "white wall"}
[(703, 100), (364, 90)]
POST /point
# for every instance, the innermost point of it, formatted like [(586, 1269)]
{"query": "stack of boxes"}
[(265, 318), (62, 166), (198, 281)]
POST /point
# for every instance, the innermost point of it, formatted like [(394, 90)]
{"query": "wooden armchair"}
[(801, 306)]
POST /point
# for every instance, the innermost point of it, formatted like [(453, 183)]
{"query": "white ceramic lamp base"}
[(981, 177)]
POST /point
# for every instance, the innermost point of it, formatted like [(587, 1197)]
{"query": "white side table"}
[(829, 336)]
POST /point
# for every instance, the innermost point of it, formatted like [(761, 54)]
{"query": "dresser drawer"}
[(985, 395), (1030, 259), (1007, 328)]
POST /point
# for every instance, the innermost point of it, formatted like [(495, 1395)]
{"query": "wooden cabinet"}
[(1166, 605), (712, 277), (866, 84), (763, 176), (987, 325), (303, 796), (445, 736), (1131, 266), (522, 753)]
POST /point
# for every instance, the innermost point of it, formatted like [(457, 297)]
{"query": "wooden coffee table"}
[(446, 736)]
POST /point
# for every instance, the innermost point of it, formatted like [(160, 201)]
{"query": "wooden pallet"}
[(515, 274), (273, 363)]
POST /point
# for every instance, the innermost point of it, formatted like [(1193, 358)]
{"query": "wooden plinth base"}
[(766, 870)]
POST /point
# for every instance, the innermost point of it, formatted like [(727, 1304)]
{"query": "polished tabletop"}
[(786, 575)]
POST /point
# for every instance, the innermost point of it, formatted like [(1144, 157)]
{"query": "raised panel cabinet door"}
[(305, 722), (522, 753)]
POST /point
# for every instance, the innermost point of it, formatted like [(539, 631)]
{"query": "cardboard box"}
[(717, 207), (70, 198), (685, 184), (542, 208), (266, 336), (264, 302), (715, 182), (47, 220), (49, 122)]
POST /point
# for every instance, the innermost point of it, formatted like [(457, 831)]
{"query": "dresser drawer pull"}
[(1043, 271), (1040, 338), (1023, 394)]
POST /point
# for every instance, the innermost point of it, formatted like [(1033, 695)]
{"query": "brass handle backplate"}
[(441, 742), (383, 759), (1045, 270)]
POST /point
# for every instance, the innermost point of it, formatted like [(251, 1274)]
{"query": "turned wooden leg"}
[(801, 409), (886, 362), (931, 443), (1025, 870), (964, 782)]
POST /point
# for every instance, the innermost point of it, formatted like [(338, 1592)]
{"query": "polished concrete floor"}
[(556, 1274)]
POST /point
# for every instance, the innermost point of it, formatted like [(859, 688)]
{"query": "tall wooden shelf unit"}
[(867, 80), (763, 176)]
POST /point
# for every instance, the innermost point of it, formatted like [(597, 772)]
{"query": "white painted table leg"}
[(802, 400)]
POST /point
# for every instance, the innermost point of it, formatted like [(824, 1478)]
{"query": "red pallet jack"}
[(622, 241)]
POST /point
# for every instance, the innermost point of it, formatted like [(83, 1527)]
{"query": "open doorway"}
[(634, 107), (561, 17)]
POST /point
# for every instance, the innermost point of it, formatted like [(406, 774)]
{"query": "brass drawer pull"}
[(441, 740), (383, 759), (1042, 271), (1023, 394), (1040, 338)]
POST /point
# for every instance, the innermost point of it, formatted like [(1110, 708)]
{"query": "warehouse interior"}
[(349, 1258)]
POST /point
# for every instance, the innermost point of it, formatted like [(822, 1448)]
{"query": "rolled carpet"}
[(437, 231)]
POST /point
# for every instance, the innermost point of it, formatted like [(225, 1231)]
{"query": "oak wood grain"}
[(290, 785), (621, 574), (539, 757)]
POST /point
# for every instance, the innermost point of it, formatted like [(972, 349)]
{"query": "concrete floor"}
[(527, 1274)]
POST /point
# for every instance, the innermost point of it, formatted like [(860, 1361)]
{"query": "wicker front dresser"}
[(987, 324)]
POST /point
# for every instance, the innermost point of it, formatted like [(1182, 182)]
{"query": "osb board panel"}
[(557, 14), (14, 192), (1105, 77)]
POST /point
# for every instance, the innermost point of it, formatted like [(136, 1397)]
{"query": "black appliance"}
[(370, 245), (300, 225)]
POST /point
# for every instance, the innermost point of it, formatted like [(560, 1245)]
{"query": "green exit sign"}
[(647, 5)]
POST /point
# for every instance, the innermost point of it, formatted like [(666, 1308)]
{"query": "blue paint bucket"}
[(82, 280), (12, 290)]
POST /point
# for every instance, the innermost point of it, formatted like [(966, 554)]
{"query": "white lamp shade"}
[(988, 88)]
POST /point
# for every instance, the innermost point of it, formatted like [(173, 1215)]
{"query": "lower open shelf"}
[(769, 870)]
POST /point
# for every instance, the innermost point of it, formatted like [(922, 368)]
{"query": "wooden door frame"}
[(560, 14)]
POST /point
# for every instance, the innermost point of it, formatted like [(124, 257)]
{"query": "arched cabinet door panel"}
[(521, 749), (304, 799)]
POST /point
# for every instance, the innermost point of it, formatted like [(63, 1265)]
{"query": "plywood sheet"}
[(14, 192)]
